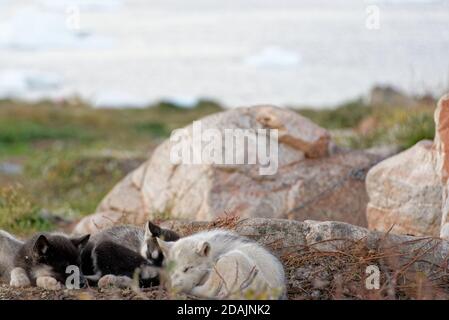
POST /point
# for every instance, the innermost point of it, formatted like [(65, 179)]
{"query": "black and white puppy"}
[(117, 255), (43, 260)]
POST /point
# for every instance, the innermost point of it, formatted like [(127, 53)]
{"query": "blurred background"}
[(88, 88), (118, 53)]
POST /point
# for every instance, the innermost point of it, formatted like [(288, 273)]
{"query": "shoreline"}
[(377, 95)]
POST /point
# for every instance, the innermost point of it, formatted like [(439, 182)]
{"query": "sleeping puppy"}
[(9, 246), (44, 260), (220, 264), (122, 255)]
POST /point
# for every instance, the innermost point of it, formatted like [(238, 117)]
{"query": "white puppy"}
[(222, 264)]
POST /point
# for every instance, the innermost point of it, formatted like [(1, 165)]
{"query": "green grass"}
[(79, 180), (73, 155), (27, 131), (403, 127), (346, 115), (155, 129), (18, 137), (417, 127), (17, 214)]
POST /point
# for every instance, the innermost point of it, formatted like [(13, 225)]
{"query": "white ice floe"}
[(16, 83), (83, 5), (274, 57), (115, 99), (32, 29)]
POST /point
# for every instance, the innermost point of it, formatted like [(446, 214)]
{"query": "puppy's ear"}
[(165, 246), (152, 230), (169, 235), (41, 246), (80, 242), (203, 249)]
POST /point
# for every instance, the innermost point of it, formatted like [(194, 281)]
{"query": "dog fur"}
[(9, 246), (117, 255), (222, 264), (43, 259)]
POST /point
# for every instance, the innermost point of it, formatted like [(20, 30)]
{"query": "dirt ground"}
[(33, 293)]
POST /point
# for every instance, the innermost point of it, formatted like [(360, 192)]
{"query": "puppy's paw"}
[(48, 283), (19, 278), (111, 280), (106, 281)]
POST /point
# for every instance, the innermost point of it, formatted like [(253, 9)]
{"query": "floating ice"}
[(83, 5), (32, 29), (17, 83), (274, 57)]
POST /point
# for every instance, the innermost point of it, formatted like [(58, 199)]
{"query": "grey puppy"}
[(9, 246), (115, 256)]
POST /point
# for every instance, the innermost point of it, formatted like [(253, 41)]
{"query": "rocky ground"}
[(329, 260), (322, 260)]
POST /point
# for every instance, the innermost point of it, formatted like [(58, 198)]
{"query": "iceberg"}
[(32, 29), (274, 57)]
